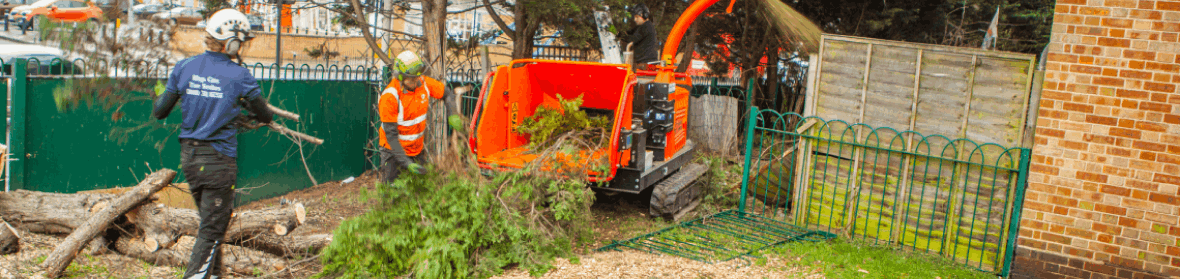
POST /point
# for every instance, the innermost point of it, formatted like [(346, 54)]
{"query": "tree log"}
[(290, 247), (162, 226), (9, 239), (65, 252), (49, 213), (236, 259)]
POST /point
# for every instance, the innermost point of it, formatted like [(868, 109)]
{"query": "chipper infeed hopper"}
[(648, 137)]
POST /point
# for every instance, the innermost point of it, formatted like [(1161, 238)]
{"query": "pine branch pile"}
[(548, 124)]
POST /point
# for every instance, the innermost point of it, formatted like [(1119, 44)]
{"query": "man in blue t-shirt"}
[(214, 89)]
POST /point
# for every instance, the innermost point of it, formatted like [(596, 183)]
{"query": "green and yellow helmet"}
[(408, 64)]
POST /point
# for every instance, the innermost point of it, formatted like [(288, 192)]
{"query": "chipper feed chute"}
[(648, 137)]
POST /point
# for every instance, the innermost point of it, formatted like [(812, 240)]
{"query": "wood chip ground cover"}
[(619, 217)]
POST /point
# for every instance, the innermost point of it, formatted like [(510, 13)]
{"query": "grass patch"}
[(841, 258)]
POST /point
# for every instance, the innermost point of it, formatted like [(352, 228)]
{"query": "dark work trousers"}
[(211, 177), (391, 168)]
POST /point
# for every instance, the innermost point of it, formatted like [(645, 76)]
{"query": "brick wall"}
[(1103, 196)]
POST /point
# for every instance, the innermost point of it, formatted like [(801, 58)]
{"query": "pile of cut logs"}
[(133, 224)]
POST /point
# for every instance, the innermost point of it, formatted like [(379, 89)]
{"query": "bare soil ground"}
[(618, 217)]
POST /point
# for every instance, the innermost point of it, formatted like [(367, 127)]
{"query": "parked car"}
[(48, 60), (181, 15), (146, 11), (57, 10)]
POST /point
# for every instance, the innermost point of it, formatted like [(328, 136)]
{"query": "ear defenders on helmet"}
[(232, 46)]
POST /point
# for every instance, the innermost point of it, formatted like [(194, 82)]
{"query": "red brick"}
[(1131, 104), (1115, 151), (1063, 201), (1159, 97), (1108, 229), (1121, 3), (1072, 2), (1117, 22), (1168, 6), (1092, 21), (1051, 132), (1067, 58), (1078, 107), (1167, 67), (1094, 11), (1085, 69), (1120, 132), (1111, 42), (1165, 199), (1165, 26), (1115, 190), (1106, 238), (1116, 82), (1172, 119), (1044, 169), (1056, 238), (1128, 222), (1089, 176), (1151, 126), (1081, 146), (1144, 35), (1110, 209), (1150, 146), (1086, 59), (1159, 87), (1099, 139), (1147, 5), (1158, 107), (1137, 65), (1170, 37), (1146, 14), (1117, 33), (1166, 179), (1110, 72), (1141, 55), (1167, 159), (1133, 73), (1125, 262)]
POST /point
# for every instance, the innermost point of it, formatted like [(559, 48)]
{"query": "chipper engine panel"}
[(648, 138)]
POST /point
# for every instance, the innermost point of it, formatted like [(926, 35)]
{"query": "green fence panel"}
[(336, 111), (951, 197), (83, 149)]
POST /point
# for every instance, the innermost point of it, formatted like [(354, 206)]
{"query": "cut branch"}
[(162, 226), (237, 259), (65, 252), (9, 239), (49, 213)]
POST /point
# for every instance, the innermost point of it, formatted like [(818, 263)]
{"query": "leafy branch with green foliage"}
[(547, 124), (458, 224)]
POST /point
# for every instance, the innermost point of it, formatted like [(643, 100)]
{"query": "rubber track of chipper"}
[(677, 194)]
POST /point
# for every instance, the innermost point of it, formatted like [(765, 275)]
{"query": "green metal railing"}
[(953, 197), (720, 237), (58, 149)]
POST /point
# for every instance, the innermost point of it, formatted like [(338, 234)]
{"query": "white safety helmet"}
[(229, 25)]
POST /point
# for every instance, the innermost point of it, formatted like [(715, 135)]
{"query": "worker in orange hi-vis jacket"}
[(403, 106)]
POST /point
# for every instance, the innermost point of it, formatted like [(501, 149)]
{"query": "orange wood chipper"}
[(648, 145)]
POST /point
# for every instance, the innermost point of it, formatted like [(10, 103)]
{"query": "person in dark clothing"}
[(643, 38), (214, 89)]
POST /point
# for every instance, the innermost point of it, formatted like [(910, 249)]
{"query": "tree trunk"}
[(287, 246), (9, 239), (65, 252), (162, 226), (434, 13), (772, 77), (49, 213), (237, 259)]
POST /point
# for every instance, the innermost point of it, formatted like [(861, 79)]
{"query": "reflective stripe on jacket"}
[(408, 109)]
